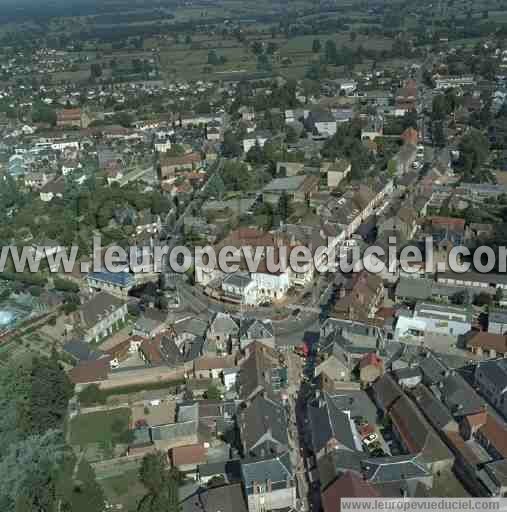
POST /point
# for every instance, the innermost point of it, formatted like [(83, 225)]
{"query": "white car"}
[(370, 439)]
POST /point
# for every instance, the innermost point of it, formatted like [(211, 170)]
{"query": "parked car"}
[(370, 439)]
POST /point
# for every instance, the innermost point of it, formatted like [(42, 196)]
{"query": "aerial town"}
[(230, 124)]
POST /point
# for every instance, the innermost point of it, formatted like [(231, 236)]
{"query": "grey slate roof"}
[(410, 288), (391, 469), (226, 498), (496, 371), (252, 328), (224, 323), (418, 435), (433, 369), (434, 410), (407, 373), (498, 471), (327, 422), (101, 304), (357, 402), (194, 348), (173, 430), (460, 397), (288, 184), (264, 424), (275, 469), (256, 373), (334, 463), (189, 412), (194, 326), (238, 279), (231, 469), (386, 391), (145, 324), (498, 316), (81, 351)]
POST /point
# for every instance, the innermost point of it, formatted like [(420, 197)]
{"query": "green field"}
[(125, 489), (190, 62), (100, 427)]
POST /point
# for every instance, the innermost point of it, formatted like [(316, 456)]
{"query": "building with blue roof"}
[(115, 283)]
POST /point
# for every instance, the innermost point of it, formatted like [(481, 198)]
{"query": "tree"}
[(461, 298), (237, 177), (213, 393), (263, 62), (215, 187), (316, 46), (162, 486), (152, 472), (69, 307), (231, 146), (439, 138), (46, 405), (331, 54), (255, 154), (65, 285), (29, 473), (42, 113), (124, 119), (392, 168), (96, 70), (91, 395), (271, 49), (474, 151), (213, 59), (291, 134), (483, 299), (257, 48), (264, 217), (166, 501), (284, 207)]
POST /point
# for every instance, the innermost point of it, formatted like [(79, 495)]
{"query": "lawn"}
[(303, 44), (99, 397), (125, 489), (100, 427)]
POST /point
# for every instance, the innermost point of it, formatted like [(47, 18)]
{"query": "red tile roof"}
[(349, 485), (70, 114), (151, 350), (459, 445), (370, 359), (488, 341), (189, 158), (477, 420), (450, 222), (214, 363), (90, 371), (190, 454), (496, 433)]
